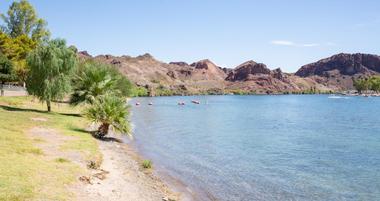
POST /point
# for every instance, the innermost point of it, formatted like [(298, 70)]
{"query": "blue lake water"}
[(307, 147)]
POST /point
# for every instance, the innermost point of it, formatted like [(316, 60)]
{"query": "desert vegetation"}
[(367, 84)]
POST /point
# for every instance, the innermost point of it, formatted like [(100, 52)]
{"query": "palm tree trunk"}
[(103, 130)]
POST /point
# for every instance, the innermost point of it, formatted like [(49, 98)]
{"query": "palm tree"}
[(110, 112), (95, 80)]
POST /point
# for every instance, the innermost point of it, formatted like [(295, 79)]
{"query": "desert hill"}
[(330, 74)]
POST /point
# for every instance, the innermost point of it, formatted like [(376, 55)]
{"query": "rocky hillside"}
[(181, 78), (257, 78), (330, 74), (337, 71)]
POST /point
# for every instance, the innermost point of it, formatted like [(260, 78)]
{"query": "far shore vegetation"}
[(363, 85)]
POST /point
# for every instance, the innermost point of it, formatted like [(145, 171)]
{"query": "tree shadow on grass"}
[(17, 109), (71, 114), (80, 130), (92, 133)]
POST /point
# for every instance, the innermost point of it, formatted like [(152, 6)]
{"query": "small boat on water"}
[(150, 103), (195, 102), (181, 103), (137, 103)]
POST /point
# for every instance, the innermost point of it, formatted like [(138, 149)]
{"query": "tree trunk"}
[(2, 88), (103, 130), (48, 103)]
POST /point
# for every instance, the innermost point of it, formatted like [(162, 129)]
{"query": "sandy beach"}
[(123, 178)]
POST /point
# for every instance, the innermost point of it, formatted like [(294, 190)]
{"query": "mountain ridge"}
[(334, 73)]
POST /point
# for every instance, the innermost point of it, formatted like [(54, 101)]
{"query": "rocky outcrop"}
[(338, 70), (278, 74), (203, 64), (179, 63), (84, 54), (207, 69), (258, 78), (344, 64), (245, 70)]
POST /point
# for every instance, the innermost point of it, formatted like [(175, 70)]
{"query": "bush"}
[(139, 91), (147, 164)]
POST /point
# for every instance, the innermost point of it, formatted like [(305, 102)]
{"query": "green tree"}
[(375, 83), (6, 72), (139, 91), (110, 112), (22, 19), (17, 49), (51, 67), (361, 84), (94, 80)]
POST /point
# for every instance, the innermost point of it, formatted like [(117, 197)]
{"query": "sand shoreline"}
[(162, 174), (126, 179)]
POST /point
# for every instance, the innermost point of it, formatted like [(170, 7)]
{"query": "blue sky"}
[(286, 34)]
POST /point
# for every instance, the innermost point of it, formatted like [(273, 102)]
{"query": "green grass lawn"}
[(25, 173)]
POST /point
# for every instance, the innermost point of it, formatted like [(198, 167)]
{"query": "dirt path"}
[(50, 141)]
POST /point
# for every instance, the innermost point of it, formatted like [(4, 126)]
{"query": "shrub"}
[(147, 164), (110, 112)]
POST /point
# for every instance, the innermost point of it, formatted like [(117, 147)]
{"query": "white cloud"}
[(291, 43), (310, 45), (283, 42)]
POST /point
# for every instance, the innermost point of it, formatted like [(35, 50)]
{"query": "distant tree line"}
[(368, 83)]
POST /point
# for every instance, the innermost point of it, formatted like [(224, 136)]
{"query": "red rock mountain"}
[(338, 70), (344, 64), (333, 73), (145, 70), (247, 70)]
